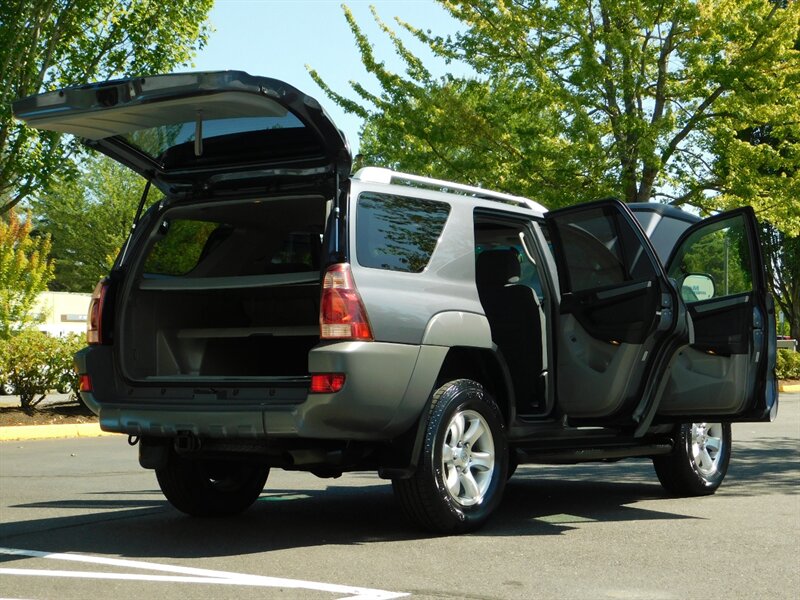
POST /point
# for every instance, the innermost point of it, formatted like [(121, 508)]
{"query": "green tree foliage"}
[(575, 100), (88, 219), (25, 270), (49, 44), (782, 258)]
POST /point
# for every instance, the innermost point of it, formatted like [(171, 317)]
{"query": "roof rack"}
[(387, 176)]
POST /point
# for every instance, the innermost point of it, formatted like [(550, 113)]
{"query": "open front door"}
[(724, 370), (616, 308)]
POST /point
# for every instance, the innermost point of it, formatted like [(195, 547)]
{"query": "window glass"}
[(154, 141), (714, 262), (491, 235), (600, 249), (397, 233), (179, 249), (184, 244)]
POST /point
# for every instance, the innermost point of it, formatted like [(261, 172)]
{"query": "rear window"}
[(157, 140), (397, 233), (238, 239)]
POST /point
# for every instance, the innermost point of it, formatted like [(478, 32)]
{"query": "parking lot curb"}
[(789, 388), (45, 432)]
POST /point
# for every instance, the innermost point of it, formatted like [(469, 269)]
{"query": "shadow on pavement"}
[(539, 500), (137, 526)]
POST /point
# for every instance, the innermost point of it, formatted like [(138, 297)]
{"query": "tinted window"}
[(155, 141), (179, 249), (396, 232), (264, 236), (600, 249)]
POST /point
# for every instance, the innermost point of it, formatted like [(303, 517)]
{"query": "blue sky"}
[(278, 38)]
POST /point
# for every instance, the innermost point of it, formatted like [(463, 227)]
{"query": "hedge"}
[(35, 363), (788, 364)]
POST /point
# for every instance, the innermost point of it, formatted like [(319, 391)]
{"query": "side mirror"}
[(696, 287)]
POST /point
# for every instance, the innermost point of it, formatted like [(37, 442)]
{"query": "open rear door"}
[(724, 369), (616, 309)]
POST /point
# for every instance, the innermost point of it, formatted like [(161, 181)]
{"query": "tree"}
[(573, 101), (25, 270), (88, 219), (782, 257), (49, 44)]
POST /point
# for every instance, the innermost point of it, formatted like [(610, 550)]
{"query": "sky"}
[(278, 38)]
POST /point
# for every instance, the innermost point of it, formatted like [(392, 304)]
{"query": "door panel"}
[(618, 314), (723, 368), (615, 306), (721, 326)]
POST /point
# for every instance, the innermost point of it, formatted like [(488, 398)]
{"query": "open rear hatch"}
[(197, 129), (222, 283)]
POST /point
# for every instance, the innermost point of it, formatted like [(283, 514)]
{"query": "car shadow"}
[(539, 500), (767, 466)]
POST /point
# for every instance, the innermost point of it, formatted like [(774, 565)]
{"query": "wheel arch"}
[(483, 365)]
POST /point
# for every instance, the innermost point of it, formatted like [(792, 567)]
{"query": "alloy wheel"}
[(468, 457)]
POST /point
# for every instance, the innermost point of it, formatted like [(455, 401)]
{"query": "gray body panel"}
[(381, 399)]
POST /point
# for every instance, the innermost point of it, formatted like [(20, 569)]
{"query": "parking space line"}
[(185, 575)]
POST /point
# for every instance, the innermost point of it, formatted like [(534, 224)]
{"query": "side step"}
[(560, 456)]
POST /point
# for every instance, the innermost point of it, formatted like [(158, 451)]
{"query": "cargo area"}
[(225, 291)]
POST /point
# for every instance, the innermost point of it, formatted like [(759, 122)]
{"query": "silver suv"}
[(270, 310)]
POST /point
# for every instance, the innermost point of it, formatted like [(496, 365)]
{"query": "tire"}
[(462, 469), (205, 488), (8, 389), (699, 462)]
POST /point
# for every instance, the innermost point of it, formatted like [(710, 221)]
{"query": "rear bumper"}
[(372, 405)]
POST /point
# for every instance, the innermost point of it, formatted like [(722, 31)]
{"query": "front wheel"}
[(207, 488), (461, 474), (699, 462)]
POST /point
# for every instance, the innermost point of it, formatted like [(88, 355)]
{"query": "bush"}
[(35, 363), (787, 364)]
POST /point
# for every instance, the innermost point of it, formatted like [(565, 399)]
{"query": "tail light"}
[(85, 383), (327, 383), (94, 320), (342, 314)]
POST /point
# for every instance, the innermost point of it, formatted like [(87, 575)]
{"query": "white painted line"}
[(187, 575)]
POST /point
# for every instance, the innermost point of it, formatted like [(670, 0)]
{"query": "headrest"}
[(494, 268)]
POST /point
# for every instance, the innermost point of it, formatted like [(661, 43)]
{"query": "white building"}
[(62, 312)]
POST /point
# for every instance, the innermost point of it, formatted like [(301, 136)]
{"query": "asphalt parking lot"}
[(79, 518)]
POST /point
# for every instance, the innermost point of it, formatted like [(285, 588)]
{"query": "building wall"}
[(62, 312)]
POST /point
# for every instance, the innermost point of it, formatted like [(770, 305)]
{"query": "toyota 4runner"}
[(269, 310)]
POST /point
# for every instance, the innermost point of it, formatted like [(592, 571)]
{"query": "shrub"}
[(62, 363), (787, 364), (35, 363), (25, 270)]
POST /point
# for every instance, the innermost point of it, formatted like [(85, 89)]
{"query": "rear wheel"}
[(461, 473), (206, 488), (699, 462)]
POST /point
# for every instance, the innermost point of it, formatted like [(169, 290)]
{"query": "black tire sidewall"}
[(461, 395)]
